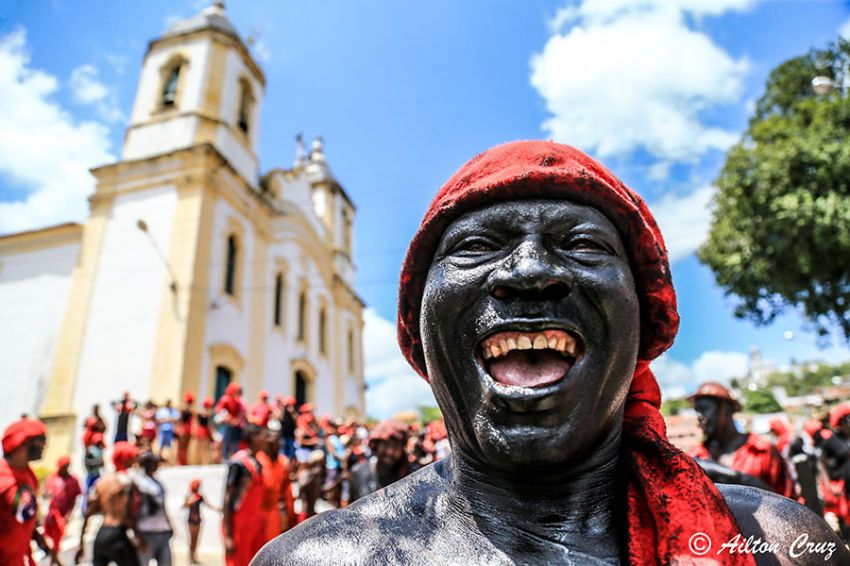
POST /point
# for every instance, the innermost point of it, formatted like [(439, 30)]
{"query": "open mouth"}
[(530, 359)]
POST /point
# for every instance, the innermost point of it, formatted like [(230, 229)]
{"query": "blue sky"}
[(405, 92)]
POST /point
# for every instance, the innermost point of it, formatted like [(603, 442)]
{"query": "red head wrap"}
[(188, 398), (17, 433), (838, 412), (208, 403), (63, 461), (122, 454), (263, 395), (287, 401), (306, 408), (665, 488), (195, 485)]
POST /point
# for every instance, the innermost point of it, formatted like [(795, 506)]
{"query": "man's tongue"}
[(529, 368)]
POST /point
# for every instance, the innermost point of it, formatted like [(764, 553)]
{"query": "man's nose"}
[(531, 272)]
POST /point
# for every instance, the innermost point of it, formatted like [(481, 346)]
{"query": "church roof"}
[(213, 16)]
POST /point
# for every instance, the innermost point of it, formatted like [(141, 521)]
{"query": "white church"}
[(193, 269)]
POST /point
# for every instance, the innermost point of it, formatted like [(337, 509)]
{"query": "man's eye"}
[(476, 245), (585, 245)]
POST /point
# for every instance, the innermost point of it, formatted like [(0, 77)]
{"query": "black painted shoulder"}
[(390, 526), (798, 536)]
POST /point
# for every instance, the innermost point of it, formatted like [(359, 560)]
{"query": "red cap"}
[(307, 408), (233, 388), (838, 412), (188, 398), (122, 453), (195, 485), (290, 400), (716, 390), (778, 426), (263, 395), (63, 461), (17, 433), (812, 426), (208, 403)]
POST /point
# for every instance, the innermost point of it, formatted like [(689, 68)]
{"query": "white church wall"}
[(228, 318), (242, 158), (120, 333), (34, 290), (155, 139)]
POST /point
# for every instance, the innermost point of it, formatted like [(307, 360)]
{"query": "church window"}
[(223, 377), (350, 350), (302, 316), (278, 299), (169, 89), (323, 347), (246, 103), (230, 268), (300, 388)]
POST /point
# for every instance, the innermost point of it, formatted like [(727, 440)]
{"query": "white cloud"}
[(844, 30), (393, 385), (678, 379), (624, 76), (42, 148), (684, 221), (87, 89)]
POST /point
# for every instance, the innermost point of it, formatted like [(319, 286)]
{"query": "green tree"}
[(428, 414), (761, 401), (780, 236)]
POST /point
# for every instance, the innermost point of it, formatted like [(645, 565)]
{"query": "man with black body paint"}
[(519, 304)]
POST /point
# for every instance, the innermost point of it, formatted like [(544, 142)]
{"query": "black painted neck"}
[(581, 498)]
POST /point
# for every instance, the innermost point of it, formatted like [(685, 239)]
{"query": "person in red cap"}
[(835, 452), (278, 503), (231, 409), (288, 419), (729, 456), (243, 524), (94, 423), (193, 503), (184, 428), (306, 433), (23, 442), (203, 433), (117, 498), (62, 489), (533, 297), (261, 410)]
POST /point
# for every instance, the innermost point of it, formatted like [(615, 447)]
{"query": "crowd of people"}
[(281, 461), (811, 465)]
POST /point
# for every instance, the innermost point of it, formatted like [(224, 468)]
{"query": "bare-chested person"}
[(113, 497)]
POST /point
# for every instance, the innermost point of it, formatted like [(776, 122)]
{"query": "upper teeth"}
[(504, 342)]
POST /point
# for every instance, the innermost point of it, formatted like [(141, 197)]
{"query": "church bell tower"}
[(199, 84)]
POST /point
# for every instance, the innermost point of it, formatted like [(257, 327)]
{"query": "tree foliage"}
[(806, 378), (761, 401), (780, 236)]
